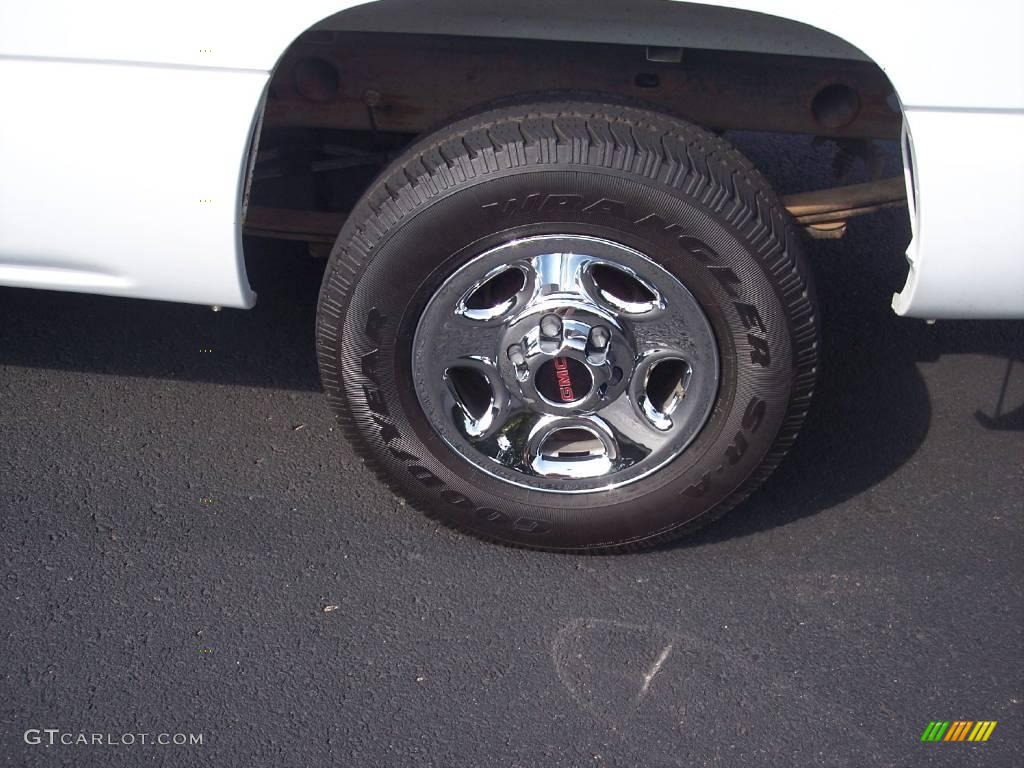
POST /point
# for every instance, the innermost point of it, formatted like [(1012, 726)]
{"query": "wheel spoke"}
[(559, 274), (635, 435), (459, 339), (507, 440)]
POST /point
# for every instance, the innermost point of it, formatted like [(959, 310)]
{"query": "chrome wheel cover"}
[(565, 363)]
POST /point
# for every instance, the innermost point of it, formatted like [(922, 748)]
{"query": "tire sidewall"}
[(413, 253)]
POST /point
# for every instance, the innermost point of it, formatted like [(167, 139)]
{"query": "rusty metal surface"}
[(409, 83), (837, 204)]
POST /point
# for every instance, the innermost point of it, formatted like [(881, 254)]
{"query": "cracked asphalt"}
[(188, 546)]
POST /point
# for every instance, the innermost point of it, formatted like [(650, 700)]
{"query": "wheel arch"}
[(796, 28)]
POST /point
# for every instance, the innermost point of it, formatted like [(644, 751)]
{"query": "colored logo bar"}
[(958, 730)]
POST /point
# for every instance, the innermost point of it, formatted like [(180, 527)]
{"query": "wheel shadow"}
[(872, 408)]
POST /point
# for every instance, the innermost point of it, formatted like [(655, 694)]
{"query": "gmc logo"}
[(564, 380)]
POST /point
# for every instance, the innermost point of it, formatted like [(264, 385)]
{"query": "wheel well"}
[(635, 22), (355, 88)]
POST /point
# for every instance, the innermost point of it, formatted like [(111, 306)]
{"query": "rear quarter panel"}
[(123, 153)]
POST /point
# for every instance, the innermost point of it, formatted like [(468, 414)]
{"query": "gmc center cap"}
[(563, 380)]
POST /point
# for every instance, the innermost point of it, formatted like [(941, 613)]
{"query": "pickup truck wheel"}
[(569, 326)]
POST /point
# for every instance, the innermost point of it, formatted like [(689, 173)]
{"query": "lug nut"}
[(516, 356), (551, 326), (599, 338)]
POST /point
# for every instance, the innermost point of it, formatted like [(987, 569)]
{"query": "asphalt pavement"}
[(188, 546)]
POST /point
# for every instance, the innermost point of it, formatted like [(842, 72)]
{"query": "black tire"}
[(678, 194)]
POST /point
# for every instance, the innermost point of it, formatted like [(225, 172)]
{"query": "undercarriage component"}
[(824, 213)]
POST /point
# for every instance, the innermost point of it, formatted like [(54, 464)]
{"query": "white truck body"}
[(126, 129)]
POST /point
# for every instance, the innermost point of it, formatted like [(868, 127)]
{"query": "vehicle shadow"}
[(871, 409), (270, 345)]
